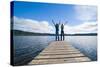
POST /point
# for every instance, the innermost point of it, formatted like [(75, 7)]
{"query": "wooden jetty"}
[(59, 52)]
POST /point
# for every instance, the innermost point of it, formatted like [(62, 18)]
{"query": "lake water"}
[(27, 47)]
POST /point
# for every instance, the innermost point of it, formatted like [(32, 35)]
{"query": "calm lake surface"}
[(27, 47)]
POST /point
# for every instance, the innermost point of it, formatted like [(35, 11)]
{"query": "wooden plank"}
[(63, 60), (59, 52), (59, 56)]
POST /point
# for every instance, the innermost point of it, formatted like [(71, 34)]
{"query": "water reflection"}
[(27, 47), (86, 44)]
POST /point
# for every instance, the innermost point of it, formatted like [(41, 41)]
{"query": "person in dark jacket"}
[(62, 32), (56, 30)]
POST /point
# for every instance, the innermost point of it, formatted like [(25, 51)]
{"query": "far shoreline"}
[(25, 33)]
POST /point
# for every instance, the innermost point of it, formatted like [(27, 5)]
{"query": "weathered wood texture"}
[(59, 52)]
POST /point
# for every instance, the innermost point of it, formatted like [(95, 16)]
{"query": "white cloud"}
[(86, 13), (32, 25), (86, 27), (45, 27)]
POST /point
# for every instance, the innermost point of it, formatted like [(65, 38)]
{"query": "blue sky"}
[(40, 11), (75, 15)]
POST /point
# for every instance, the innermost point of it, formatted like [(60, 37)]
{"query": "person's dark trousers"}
[(62, 36), (57, 36)]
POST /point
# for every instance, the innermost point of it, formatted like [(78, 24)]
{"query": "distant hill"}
[(19, 32), (25, 33)]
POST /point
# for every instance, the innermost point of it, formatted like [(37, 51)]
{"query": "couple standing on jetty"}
[(57, 30)]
